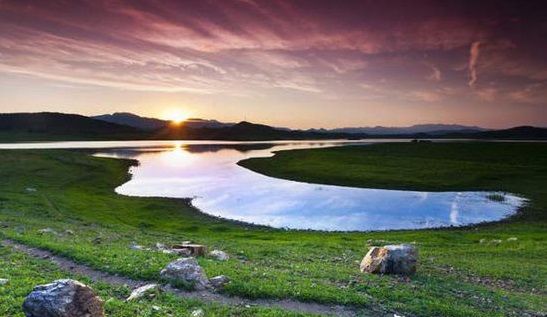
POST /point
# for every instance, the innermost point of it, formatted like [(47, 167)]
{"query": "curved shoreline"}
[(190, 201)]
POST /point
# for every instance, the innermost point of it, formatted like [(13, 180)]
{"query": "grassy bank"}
[(458, 276), (519, 168), (22, 273)]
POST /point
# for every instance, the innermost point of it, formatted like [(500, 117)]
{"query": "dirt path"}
[(207, 296)]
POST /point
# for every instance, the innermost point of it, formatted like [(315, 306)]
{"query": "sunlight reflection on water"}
[(208, 173)]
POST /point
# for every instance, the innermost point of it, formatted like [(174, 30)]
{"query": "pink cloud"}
[(474, 52)]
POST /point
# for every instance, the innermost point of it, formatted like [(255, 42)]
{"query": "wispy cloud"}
[(474, 52), (435, 75)]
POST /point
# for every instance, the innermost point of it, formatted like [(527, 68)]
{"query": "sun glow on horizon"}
[(176, 115)]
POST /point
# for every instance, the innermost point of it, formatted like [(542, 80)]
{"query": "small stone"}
[(30, 189), (156, 308), (218, 282), (197, 313), (496, 241), (63, 298), (69, 232), (3, 281), (390, 259), (512, 239), (135, 246), (47, 230), (141, 291), (219, 255), (481, 241), (186, 271), (195, 249)]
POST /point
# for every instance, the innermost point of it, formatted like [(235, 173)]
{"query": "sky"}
[(298, 64)]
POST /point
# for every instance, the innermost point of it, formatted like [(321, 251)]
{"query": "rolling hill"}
[(60, 126)]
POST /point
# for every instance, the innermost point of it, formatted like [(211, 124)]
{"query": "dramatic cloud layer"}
[(390, 62)]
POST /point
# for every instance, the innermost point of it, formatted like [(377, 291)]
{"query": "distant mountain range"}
[(149, 124), (127, 126), (433, 129)]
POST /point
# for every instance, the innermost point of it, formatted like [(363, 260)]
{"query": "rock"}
[(47, 230), (194, 249), (30, 189), (69, 232), (219, 255), (197, 313), (163, 249), (141, 291), (3, 281), (512, 239), (218, 282), (182, 252), (495, 241), (135, 246), (375, 260), (390, 259), (63, 298), (186, 271)]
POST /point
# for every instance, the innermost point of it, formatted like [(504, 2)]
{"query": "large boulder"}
[(391, 259), (186, 271), (63, 298)]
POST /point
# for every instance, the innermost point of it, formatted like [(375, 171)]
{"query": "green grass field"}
[(458, 275)]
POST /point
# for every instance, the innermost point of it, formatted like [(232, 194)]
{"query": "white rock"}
[(47, 230), (141, 291), (63, 298), (4, 281), (512, 239), (197, 313), (135, 246), (219, 255), (186, 271), (390, 259)]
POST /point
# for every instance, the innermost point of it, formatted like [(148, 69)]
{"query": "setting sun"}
[(176, 116)]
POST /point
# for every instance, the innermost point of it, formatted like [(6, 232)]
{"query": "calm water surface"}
[(209, 175), (207, 172)]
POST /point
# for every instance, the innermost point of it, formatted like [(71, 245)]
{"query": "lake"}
[(206, 171)]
